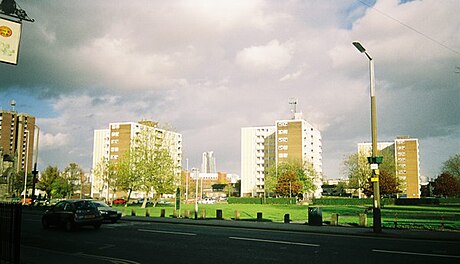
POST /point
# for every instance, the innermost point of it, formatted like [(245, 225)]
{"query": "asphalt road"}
[(143, 242)]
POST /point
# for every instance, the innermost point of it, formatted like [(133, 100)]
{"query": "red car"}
[(119, 201)]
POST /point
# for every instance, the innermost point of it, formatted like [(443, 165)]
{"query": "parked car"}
[(141, 201), (71, 214), (108, 213), (119, 201), (207, 201)]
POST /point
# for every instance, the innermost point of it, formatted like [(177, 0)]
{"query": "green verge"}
[(432, 217)]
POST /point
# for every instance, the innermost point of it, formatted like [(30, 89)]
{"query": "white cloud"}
[(50, 141), (269, 57), (209, 68)]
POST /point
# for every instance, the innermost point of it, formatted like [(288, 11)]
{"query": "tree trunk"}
[(129, 196)]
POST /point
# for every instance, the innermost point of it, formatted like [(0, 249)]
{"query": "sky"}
[(207, 68)]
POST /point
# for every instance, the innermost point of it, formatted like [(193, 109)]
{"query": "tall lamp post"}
[(26, 166), (374, 160), (35, 171), (196, 173)]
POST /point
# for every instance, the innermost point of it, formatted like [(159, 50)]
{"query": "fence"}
[(10, 230)]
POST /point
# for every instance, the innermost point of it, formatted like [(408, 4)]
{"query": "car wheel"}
[(69, 226), (45, 223), (97, 226)]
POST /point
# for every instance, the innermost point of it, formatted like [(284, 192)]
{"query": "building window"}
[(282, 124), (282, 131), (283, 139), (282, 155), (283, 147), (115, 134)]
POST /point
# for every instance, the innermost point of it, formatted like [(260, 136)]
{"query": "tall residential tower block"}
[(110, 144), (261, 147)]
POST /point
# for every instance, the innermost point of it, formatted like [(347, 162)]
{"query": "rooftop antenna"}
[(12, 104), (293, 102)]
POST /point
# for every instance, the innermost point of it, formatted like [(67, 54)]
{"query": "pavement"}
[(444, 235), (447, 235)]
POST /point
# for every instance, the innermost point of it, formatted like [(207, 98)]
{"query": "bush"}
[(352, 201), (257, 200), (420, 201)]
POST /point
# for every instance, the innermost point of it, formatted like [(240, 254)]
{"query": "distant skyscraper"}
[(208, 163)]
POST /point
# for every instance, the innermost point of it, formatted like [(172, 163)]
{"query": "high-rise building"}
[(261, 147), (407, 161), (112, 143), (208, 163), (17, 136), (405, 152), (253, 162)]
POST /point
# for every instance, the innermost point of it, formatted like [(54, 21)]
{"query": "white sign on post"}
[(10, 36)]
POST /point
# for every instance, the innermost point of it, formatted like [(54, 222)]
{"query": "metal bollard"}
[(203, 214), (237, 215), (286, 219), (259, 216), (334, 219), (163, 213), (219, 214)]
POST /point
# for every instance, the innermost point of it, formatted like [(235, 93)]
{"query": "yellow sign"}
[(10, 35), (374, 179)]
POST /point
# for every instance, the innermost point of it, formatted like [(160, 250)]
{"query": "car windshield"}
[(100, 204), (84, 205)]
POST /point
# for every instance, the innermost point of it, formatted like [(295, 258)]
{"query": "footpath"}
[(297, 227)]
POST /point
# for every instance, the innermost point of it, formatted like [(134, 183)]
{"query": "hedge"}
[(257, 200)]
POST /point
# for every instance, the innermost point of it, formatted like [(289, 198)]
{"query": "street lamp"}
[(35, 171), (196, 172), (26, 165), (374, 160)]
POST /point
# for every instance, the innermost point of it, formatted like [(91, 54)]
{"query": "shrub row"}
[(248, 200), (386, 201)]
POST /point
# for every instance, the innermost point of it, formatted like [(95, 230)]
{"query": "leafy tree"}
[(73, 175), (18, 182), (389, 184), (61, 188), (452, 166), (288, 184), (356, 167), (127, 178), (304, 174), (153, 163), (446, 185), (47, 179)]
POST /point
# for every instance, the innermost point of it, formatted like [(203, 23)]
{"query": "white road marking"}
[(111, 259), (166, 232), (274, 241), (414, 253)]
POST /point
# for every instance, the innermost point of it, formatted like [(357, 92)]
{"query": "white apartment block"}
[(252, 159), (113, 142), (292, 139)]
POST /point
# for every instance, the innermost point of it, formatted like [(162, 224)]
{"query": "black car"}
[(71, 214), (107, 212)]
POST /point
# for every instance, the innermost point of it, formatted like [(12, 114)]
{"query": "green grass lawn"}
[(415, 217)]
